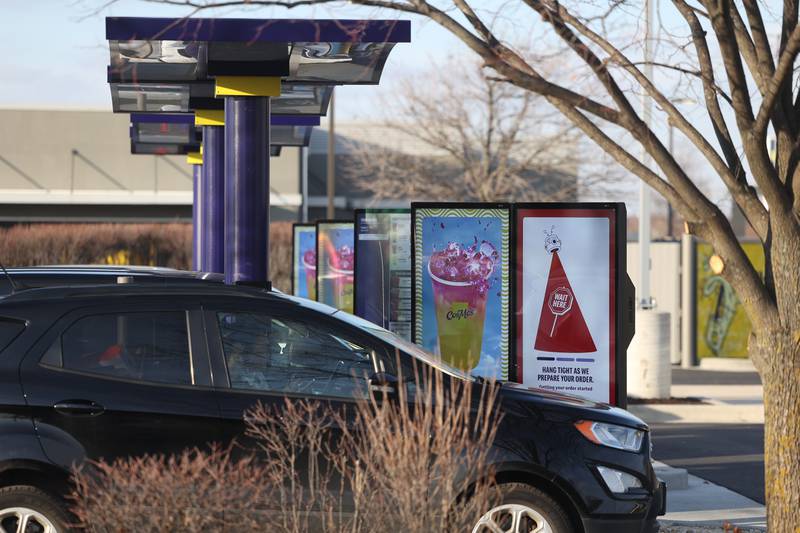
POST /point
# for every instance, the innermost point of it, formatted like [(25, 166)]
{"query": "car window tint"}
[(141, 346), (280, 355), (9, 329)]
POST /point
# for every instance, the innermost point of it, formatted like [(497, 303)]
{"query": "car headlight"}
[(611, 435), (617, 481)]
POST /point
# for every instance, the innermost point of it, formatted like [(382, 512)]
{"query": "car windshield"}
[(402, 344)]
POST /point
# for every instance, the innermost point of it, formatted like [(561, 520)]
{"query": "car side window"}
[(280, 355), (152, 346), (9, 329)]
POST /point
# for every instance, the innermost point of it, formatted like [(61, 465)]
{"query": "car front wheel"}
[(523, 509), (26, 509)]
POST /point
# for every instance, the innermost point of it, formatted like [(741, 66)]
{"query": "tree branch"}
[(754, 141), (776, 83), (748, 49), (743, 195), (741, 192), (763, 50)]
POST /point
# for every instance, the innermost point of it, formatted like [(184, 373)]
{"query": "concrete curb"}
[(675, 478), (727, 364), (706, 507), (712, 413)]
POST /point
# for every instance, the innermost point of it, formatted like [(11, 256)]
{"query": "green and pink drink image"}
[(336, 276), (341, 264), (310, 266), (460, 279), (335, 261)]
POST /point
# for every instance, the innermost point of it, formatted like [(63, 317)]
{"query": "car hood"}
[(551, 403)]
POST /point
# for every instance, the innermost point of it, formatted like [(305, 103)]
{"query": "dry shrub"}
[(416, 463), (80, 244), (166, 245), (300, 463), (280, 255), (194, 491), (417, 459)]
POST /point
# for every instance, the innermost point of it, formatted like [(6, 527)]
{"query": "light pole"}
[(645, 298), (670, 214), (649, 370)]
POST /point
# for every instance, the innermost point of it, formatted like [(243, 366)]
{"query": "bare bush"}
[(165, 245), (280, 255), (194, 491), (417, 462), (298, 464), (424, 458), (79, 244)]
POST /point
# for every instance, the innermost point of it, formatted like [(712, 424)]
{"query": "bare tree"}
[(464, 134), (749, 85)]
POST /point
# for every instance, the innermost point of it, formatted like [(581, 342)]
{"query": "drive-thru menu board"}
[(335, 264), (461, 284), (382, 291), (568, 277), (304, 261)]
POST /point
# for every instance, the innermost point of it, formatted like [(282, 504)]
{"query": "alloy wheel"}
[(512, 518), (24, 520)]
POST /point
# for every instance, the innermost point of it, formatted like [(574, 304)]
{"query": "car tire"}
[(39, 506), (531, 504)]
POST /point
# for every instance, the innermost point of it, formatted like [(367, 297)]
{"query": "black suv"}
[(120, 369)]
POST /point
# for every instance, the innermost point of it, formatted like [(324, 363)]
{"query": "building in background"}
[(76, 166)]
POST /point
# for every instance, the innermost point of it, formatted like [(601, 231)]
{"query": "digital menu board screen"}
[(335, 262), (566, 310), (461, 282), (383, 268), (304, 261)]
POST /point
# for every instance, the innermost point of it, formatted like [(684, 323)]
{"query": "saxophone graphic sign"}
[(566, 282), (722, 325)]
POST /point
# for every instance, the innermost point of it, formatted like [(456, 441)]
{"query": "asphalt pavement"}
[(682, 376), (729, 454)]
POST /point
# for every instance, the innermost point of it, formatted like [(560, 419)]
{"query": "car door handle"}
[(79, 408)]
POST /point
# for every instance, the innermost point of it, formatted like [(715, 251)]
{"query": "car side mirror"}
[(383, 382)]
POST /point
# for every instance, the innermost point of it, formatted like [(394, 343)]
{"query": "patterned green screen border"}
[(502, 214)]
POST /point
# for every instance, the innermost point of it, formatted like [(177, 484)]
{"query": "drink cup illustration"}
[(341, 267), (460, 281), (310, 266)]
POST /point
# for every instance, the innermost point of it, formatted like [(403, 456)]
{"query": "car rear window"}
[(151, 347), (9, 329)]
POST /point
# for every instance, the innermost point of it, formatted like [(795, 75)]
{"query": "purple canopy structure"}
[(171, 134), (176, 134), (260, 68)]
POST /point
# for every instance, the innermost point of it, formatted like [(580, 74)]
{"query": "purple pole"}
[(213, 247), (197, 217), (246, 189)]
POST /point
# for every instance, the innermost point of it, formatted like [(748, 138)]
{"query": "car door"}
[(268, 353), (127, 378)]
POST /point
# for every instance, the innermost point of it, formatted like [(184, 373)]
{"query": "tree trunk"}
[(777, 356)]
